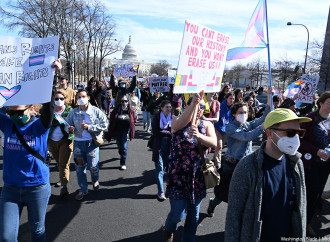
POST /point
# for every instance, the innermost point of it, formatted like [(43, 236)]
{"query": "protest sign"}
[(158, 84), (308, 89), (26, 76), (202, 59), (172, 75), (125, 70)]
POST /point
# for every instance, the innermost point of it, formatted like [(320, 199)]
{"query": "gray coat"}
[(243, 222)]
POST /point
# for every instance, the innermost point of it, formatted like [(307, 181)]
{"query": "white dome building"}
[(129, 55), (129, 52)]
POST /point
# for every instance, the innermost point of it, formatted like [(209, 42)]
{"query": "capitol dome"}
[(129, 52)]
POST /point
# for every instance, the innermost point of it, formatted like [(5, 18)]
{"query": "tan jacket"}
[(70, 97)]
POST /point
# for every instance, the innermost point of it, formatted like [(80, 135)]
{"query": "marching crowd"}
[(271, 193)]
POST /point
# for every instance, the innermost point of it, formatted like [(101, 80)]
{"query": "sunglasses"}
[(201, 106), (17, 112), (124, 101), (59, 98), (292, 132)]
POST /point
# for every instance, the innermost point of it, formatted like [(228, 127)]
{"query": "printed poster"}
[(306, 93)]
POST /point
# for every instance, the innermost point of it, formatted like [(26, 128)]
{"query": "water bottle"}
[(326, 150)]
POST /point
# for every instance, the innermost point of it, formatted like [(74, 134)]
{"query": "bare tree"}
[(285, 69), (77, 22), (160, 68), (237, 71), (315, 58), (257, 68)]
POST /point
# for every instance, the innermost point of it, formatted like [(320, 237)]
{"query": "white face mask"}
[(241, 118), (288, 145), (124, 105), (59, 103), (82, 101)]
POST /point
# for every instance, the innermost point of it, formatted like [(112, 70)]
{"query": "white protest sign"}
[(308, 89), (125, 70), (202, 59), (159, 84), (26, 76), (171, 74)]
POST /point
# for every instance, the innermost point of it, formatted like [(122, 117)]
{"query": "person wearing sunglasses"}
[(122, 128), (88, 123), (315, 151), (239, 134), (60, 141), (25, 177), (267, 194), (186, 186)]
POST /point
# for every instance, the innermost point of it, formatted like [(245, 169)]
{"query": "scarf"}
[(165, 122)]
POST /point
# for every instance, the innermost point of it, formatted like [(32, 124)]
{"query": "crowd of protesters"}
[(271, 193)]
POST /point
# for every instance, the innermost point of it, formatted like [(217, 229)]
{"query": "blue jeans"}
[(146, 118), (12, 201), (122, 143), (161, 165), (179, 208), (89, 153)]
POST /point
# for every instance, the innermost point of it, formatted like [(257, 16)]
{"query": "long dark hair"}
[(224, 88), (89, 84)]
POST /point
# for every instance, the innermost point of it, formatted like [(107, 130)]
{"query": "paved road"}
[(125, 208)]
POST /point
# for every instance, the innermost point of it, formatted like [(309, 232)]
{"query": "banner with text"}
[(308, 89), (26, 76), (125, 70), (202, 59), (159, 84)]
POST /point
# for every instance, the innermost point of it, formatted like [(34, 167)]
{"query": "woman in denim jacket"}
[(240, 134), (86, 121)]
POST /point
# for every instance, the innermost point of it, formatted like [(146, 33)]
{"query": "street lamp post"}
[(289, 23), (73, 47)]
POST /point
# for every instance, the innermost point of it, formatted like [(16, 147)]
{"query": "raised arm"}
[(133, 85), (181, 121), (47, 111)]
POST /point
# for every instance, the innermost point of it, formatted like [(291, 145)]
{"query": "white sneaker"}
[(123, 167)]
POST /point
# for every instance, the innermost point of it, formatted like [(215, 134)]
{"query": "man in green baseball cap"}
[(267, 193)]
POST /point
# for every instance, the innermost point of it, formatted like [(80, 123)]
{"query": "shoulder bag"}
[(211, 175), (27, 147)]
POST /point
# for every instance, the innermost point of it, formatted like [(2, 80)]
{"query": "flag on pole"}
[(254, 36)]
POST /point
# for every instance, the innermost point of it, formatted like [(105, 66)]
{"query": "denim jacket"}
[(99, 121), (240, 136)]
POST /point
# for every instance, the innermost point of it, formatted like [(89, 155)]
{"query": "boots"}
[(168, 237)]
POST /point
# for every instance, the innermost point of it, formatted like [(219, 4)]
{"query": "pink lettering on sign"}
[(198, 41), (191, 28), (192, 51), (196, 62), (207, 33)]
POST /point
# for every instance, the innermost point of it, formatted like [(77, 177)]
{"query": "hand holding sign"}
[(57, 65)]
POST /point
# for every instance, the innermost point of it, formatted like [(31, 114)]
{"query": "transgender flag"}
[(254, 36)]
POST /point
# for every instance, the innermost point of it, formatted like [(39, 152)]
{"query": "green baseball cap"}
[(280, 115)]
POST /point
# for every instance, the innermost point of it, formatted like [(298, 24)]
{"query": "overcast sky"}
[(157, 26)]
